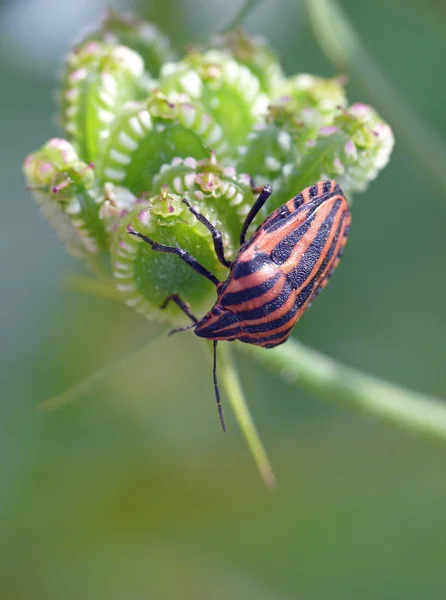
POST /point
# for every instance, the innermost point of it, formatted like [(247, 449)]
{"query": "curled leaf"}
[(228, 91), (99, 80), (147, 135), (144, 37), (255, 54)]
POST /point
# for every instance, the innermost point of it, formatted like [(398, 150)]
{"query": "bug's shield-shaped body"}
[(277, 273)]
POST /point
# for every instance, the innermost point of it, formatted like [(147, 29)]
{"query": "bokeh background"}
[(133, 492)]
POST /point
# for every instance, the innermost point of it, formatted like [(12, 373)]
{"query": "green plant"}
[(143, 131)]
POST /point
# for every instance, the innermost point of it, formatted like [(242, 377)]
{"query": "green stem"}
[(247, 6), (342, 45), (228, 376), (332, 381)]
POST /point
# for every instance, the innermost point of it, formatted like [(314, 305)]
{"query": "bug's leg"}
[(263, 197), (216, 234), (217, 392), (184, 306), (185, 256)]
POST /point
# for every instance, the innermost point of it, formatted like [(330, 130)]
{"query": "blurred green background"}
[(133, 492)]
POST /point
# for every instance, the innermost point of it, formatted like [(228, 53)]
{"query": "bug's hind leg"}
[(184, 306), (216, 234)]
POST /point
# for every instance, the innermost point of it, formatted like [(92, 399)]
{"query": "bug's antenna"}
[(217, 392)]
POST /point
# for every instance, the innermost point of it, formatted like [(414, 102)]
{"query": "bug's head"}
[(218, 324)]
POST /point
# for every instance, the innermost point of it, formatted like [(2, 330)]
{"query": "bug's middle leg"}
[(185, 256), (184, 306)]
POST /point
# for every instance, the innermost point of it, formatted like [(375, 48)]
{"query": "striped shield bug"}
[(276, 273)]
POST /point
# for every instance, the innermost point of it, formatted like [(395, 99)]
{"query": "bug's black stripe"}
[(337, 190), (260, 312), (227, 333), (282, 219), (279, 220), (269, 338), (231, 298), (283, 216), (307, 267), (285, 247), (302, 271), (301, 298), (313, 191), (304, 295), (298, 201), (326, 187), (248, 267)]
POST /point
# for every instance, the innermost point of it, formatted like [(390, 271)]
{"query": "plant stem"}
[(228, 376), (332, 381), (343, 47), (247, 6)]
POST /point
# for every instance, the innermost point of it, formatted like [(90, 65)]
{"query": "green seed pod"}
[(141, 36), (99, 80), (217, 192), (144, 277), (368, 149), (269, 148), (228, 91), (313, 100), (148, 134), (117, 201), (353, 150), (254, 53), (305, 105), (64, 188)]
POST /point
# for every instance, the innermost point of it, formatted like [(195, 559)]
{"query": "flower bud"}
[(64, 187)]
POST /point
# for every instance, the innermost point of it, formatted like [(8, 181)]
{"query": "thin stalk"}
[(328, 379), (229, 379), (76, 391), (246, 8), (343, 47)]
